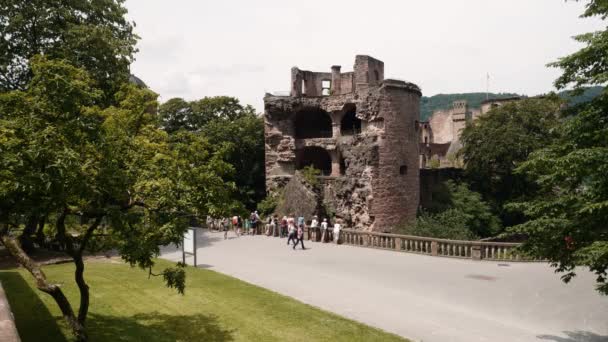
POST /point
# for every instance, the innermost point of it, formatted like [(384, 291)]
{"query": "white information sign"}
[(189, 241)]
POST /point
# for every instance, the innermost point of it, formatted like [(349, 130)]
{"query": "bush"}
[(450, 224), (478, 214), (269, 204), (310, 174)]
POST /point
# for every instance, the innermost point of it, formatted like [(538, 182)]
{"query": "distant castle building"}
[(440, 135)]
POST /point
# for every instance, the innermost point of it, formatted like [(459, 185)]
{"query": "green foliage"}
[(569, 213), (65, 157), (175, 277), (310, 174), (93, 35), (268, 205), (444, 101), (449, 224), (477, 214), (217, 307), (499, 141), (434, 162), (228, 126), (178, 114)]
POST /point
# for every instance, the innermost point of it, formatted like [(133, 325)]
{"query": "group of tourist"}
[(236, 223), (286, 227), (295, 230)]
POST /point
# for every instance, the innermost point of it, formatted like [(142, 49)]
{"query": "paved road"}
[(420, 297)]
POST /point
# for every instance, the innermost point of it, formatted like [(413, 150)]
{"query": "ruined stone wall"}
[(374, 181), (396, 182), (441, 126)]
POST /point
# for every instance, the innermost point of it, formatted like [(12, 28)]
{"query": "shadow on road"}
[(575, 336)]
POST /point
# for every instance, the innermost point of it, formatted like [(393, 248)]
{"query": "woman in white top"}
[(324, 230), (337, 228), (314, 225)]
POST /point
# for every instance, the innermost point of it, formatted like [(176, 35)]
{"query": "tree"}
[(568, 217), (477, 214), (178, 114), (94, 35), (228, 125), (499, 141), (112, 170)]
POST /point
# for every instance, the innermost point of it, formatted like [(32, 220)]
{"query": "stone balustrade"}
[(478, 250)]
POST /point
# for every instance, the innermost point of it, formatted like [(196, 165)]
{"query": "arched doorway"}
[(316, 157), (312, 123), (350, 123)]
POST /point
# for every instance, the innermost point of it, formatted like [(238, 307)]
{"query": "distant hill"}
[(429, 104), (587, 96)]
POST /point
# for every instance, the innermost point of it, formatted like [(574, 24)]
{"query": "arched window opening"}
[(403, 169), (303, 87), (312, 123), (377, 75), (316, 157), (326, 87), (350, 124)]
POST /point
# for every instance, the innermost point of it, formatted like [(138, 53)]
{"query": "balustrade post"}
[(397, 243), (476, 252), (434, 248)]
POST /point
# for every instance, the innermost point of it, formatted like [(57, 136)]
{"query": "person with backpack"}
[(299, 237), (254, 218)]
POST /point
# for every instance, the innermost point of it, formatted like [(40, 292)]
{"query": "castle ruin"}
[(360, 130)]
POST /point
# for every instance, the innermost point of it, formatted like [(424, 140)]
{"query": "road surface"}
[(419, 297)]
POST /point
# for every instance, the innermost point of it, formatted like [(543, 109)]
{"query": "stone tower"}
[(360, 130)]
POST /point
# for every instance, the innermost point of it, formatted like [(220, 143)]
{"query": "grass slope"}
[(127, 306)]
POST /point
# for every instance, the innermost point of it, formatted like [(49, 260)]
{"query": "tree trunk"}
[(26, 241), (43, 285), (40, 238), (76, 254)]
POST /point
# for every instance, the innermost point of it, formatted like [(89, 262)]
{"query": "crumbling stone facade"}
[(360, 130)]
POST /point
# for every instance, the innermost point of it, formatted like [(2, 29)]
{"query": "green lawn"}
[(127, 306)]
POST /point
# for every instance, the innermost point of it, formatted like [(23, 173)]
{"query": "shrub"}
[(449, 224), (310, 174)]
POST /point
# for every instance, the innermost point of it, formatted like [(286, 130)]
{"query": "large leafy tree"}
[(92, 34), (112, 170), (228, 125), (499, 141), (569, 218)]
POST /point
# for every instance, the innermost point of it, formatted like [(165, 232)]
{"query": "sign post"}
[(189, 244)]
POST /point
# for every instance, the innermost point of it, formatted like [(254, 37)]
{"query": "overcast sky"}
[(245, 48)]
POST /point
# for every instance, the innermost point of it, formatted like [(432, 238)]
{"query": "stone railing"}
[(478, 250), (8, 330)]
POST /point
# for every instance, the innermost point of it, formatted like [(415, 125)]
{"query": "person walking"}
[(291, 227), (299, 237), (224, 225)]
